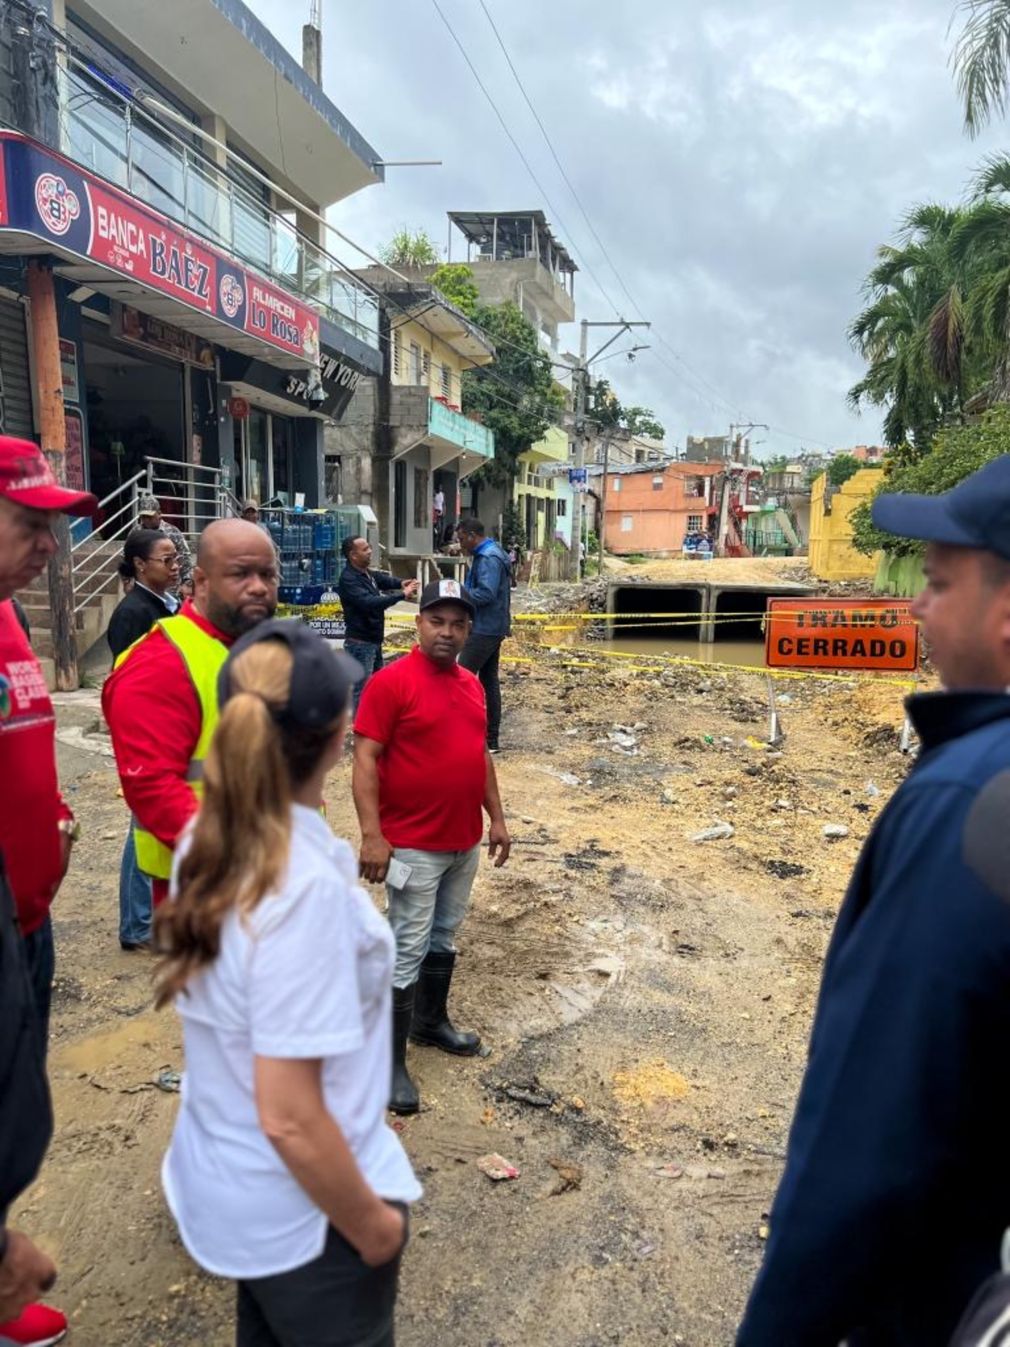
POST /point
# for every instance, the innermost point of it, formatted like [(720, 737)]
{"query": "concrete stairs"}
[(97, 583)]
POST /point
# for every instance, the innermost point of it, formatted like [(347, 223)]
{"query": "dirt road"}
[(646, 999)]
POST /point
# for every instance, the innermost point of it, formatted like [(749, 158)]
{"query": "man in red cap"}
[(37, 832)]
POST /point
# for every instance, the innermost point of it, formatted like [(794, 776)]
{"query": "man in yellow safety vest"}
[(161, 699)]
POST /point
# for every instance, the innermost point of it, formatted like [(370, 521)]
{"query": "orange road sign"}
[(822, 633)]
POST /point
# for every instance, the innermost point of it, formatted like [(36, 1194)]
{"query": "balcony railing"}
[(459, 430), (113, 137)]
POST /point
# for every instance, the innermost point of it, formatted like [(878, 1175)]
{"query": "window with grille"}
[(422, 505), (415, 363), (426, 368), (562, 509), (694, 523), (626, 523), (657, 482), (446, 380), (396, 352)]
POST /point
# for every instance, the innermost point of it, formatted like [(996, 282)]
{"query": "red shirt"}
[(31, 805), (433, 769), (154, 717)]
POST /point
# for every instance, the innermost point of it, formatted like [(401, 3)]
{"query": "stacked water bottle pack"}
[(308, 543)]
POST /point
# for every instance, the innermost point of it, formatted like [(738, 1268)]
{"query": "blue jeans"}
[(40, 955), (369, 656), (135, 902), (426, 912)]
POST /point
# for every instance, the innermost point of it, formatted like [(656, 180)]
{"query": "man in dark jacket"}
[(489, 585), (364, 596), (896, 1189)]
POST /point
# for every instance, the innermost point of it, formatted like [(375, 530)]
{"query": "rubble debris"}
[(496, 1167), (834, 832), (570, 1176), (720, 831)]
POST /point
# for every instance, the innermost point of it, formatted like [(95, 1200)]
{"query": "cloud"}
[(741, 166)]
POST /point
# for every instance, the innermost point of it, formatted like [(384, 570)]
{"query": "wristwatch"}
[(71, 828)]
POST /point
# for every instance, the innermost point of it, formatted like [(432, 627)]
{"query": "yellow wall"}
[(403, 336), (832, 556)]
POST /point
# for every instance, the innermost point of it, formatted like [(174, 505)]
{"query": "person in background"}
[(438, 515), (896, 1191), (37, 833), (251, 512), (160, 701), (149, 517), (150, 561), (282, 1172), (364, 597), (489, 586), (422, 774)]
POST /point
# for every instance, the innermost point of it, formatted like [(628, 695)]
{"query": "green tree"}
[(642, 421), (981, 61), (515, 396), (842, 467), (405, 249), (604, 408), (958, 452), (455, 281)]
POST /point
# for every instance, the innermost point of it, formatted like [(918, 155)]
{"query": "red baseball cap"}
[(27, 479)]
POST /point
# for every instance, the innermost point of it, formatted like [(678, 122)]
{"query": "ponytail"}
[(242, 835)]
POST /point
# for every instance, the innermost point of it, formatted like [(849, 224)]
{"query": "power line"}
[(518, 148)]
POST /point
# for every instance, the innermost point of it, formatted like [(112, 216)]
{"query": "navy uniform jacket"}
[(896, 1188), (364, 597)]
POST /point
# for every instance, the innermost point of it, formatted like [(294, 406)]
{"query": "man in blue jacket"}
[(896, 1189), (489, 584), (364, 597)]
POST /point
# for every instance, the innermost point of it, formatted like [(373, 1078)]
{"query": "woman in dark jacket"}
[(150, 561)]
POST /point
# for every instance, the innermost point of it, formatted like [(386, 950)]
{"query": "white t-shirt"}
[(307, 974), (440, 501)]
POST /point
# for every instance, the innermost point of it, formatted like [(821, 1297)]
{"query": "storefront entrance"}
[(135, 411), (263, 449)]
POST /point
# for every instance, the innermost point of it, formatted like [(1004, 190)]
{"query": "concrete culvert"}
[(684, 603)]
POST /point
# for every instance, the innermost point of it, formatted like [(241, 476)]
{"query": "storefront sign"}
[(43, 194), (867, 634), (338, 380), (75, 450), (130, 324), (68, 368)]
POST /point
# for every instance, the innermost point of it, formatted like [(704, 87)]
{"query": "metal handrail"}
[(137, 477)]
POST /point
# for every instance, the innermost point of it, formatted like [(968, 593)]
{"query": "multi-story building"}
[(175, 217), (652, 508), (404, 439)]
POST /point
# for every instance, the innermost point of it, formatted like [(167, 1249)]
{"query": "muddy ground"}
[(646, 999)]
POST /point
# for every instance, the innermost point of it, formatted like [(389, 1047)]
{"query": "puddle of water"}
[(750, 653)]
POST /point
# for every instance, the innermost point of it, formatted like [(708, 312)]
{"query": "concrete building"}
[(832, 556), (404, 438), (514, 256), (163, 188), (651, 509)]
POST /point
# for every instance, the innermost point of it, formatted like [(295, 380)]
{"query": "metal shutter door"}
[(15, 388)]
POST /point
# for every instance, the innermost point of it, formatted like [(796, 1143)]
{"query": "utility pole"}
[(581, 393), (33, 57)]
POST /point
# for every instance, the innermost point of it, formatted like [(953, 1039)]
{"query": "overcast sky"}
[(740, 160)]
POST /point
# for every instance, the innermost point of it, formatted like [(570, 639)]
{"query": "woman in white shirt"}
[(282, 1172)]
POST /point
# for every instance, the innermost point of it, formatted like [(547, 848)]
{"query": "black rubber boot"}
[(431, 1024), (403, 1096)]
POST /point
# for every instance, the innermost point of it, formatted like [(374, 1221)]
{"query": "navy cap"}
[(321, 677), (446, 591), (975, 513)]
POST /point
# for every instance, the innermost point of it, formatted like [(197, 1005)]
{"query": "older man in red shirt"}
[(36, 834), (161, 700)]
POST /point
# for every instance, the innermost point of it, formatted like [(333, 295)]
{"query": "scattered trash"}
[(168, 1080), (756, 744), (568, 779), (577, 1104), (834, 831), (670, 1171), (570, 1176), (718, 832), (763, 1230), (645, 1249), (783, 804), (708, 739), (667, 796), (872, 790), (496, 1167)]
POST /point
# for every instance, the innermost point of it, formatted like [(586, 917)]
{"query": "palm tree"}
[(980, 251), (912, 333), (981, 61)]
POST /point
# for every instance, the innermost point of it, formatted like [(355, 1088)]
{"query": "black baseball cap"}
[(975, 513), (446, 591), (321, 677)]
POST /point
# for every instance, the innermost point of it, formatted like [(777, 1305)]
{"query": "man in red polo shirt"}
[(422, 774), (36, 834), (161, 700)]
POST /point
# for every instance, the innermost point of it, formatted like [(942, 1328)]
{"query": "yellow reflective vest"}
[(203, 656)]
